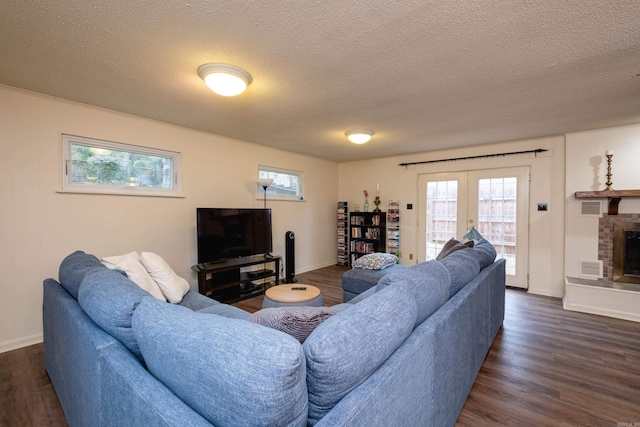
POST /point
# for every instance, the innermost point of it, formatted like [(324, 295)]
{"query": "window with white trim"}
[(287, 184), (96, 166)]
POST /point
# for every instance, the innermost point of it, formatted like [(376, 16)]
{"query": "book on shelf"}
[(362, 247), (393, 227), (372, 233), (342, 236), (357, 220)]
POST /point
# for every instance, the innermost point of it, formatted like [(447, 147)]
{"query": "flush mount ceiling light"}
[(359, 136), (225, 79)]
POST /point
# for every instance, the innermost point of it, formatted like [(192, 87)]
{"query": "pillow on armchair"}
[(376, 261), (298, 322), (453, 245)]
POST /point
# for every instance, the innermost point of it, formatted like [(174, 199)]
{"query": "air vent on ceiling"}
[(590, 208), (591, 268)]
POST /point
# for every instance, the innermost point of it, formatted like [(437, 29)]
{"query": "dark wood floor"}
[(547, 367)]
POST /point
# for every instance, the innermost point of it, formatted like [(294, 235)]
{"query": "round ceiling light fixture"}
[(359, 136), (225, 79)]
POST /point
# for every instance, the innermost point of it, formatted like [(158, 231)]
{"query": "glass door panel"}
[(440, 209), (499, 205), (494, 201)]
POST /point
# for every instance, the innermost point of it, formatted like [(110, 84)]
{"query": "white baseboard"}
[(544, 293), (19, 343), (315, 267), (600, 311)]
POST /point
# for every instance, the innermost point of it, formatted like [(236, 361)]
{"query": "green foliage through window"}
[(287, 184), (107, 167)]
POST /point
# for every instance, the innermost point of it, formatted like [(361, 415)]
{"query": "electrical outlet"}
[(410, 256), (542, 206)]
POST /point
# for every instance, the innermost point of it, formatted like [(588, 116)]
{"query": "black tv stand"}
[(227, 281)]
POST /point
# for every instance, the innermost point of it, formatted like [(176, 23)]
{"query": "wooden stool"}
[(285, 296)]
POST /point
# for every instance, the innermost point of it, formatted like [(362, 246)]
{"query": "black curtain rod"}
[(483, 156)]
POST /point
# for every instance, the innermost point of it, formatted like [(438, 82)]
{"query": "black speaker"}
[(290, 256)]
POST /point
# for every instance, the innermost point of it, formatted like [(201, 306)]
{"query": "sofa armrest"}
[(133, 397), (71, 345)]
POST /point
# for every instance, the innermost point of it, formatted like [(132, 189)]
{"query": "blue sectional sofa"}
[(405, 352)]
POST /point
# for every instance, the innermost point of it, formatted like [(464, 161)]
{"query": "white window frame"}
[(67, 186), (274, 196)]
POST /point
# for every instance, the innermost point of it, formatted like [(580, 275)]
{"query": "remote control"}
[(299, 288)]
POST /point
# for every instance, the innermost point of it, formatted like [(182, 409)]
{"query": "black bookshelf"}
[(367, 232)]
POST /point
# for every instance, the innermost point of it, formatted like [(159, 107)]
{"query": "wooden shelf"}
[(614, 197)]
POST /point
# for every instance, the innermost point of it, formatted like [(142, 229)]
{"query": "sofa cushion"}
[(453, 245), (347, 348), (430, 283), (376, 261), (172, 286), (484, 252), (462, 266), (358, 280), (225, 310), (73, 269), (230, 371), (298, 322), (110, 299), (195, 301)]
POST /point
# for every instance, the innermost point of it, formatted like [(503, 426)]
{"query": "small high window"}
[(287, 184), (96, 166)]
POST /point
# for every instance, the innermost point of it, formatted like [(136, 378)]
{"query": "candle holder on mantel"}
[(609, 154), (377, 203)]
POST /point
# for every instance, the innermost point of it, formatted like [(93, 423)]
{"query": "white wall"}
[(586, 171), (546, 237), (39, 226)]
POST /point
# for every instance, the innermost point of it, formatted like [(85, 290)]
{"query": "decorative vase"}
[(366, 204)]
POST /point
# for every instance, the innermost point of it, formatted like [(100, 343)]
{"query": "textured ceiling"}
[(424, 75)]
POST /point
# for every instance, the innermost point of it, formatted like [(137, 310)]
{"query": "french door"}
[(495, 202)]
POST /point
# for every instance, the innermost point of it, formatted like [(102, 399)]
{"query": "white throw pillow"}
[(130, 264), (172, 286), (111, 262)]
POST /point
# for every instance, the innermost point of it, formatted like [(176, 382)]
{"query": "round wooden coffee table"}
[(296, 294)]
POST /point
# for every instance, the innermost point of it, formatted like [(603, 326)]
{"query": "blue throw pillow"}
[(73, 269), (347, 348), (230, 371)]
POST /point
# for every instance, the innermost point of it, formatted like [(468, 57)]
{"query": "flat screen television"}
[(232, 233)]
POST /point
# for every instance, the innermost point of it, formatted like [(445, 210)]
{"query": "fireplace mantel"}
[(614, 197)]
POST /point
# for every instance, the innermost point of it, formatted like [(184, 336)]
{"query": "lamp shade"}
[(359, 136), (265, 182), (225, 79)]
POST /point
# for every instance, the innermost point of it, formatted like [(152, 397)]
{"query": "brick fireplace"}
[(618, 246), (615, 295)]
